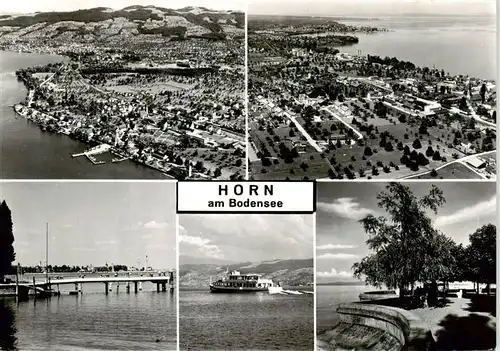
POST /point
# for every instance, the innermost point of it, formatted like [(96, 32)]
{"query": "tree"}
[(217, 172), (429, 152), (7, 254), (422, 160), (482, 92), (368, 151), (331, 174), (404, 242), (483, 254), (416, 144), (436, 156)]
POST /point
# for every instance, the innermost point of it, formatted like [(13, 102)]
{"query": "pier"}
[(97, 150), (117, 160), (44, 289)]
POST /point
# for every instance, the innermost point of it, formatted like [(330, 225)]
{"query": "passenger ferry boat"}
[(236, 282)]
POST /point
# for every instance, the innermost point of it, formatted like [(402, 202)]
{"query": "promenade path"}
[(460, 324)]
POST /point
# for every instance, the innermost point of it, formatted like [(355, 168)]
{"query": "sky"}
[(93, 223), (369, 7), (243, 238), (340, 240), (29, 6)]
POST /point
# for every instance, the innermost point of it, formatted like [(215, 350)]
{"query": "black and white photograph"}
[(122, 89), (246, 282), (87, 266), (372, 89), (408, 265)]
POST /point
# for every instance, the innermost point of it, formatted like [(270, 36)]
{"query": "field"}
[(366, 157), (454, 170), (226, 160), (153, 88)]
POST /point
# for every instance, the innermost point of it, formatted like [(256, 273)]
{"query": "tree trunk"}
[(488, 289)]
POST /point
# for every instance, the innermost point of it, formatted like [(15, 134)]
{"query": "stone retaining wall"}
[(410, 332)]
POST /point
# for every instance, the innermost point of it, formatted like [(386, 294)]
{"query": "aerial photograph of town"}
[(131, 92), (377, 89)]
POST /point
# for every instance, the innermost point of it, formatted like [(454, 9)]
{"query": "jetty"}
[(46, 288), (121, 159), (97, 150)]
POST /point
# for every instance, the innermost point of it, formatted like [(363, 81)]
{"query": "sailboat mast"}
[(47, 253)]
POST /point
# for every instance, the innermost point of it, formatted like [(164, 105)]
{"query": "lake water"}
[(254, 321), (92, 321), (26, 152), (329, 297), (458, 44)]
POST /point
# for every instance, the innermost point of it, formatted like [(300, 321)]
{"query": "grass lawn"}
[(225, 159), (453, 171), (317, 168)]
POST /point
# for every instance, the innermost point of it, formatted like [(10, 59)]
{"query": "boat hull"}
[(372, 296), (221, 289)]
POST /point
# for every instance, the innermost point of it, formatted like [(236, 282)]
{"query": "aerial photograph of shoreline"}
[(94, 270), (379, 89), (121, 89), (404, 266), (246, 282)]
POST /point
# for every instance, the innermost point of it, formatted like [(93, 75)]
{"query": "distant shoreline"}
[(341, 284)]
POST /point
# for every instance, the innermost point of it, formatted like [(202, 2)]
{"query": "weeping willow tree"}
[(405, 246)]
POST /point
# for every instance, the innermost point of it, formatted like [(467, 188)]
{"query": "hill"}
[(101, 24), (287, 272)]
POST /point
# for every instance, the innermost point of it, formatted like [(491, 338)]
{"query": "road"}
[(360, 136), (478, 118), (309, 139)]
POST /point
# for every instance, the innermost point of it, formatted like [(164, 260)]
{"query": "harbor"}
[(90, 153)]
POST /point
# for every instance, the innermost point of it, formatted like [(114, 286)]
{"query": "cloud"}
[(472, 212), (345, 207), (106, 242), (336, 256), (193, 240), (155, 225), (335, 247), (334, 274), (86, 249), (249, 237), (203, 245)]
